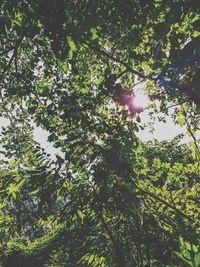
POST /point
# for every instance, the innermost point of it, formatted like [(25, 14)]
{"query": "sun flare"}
[(140, 100)]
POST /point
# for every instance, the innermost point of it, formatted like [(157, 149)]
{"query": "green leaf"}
[(184, 259), (91, 259), (12, 163), (12, 189), (71, 44), (197, 260), (93, 34), (81, 215)]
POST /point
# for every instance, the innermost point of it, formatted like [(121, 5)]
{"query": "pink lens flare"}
[(135, 102)]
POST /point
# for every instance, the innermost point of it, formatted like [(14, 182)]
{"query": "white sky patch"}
[(40, 135), (157, 129), (162, 131), (3, 122)]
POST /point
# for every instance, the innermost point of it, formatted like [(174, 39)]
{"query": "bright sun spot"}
[(140, 100)]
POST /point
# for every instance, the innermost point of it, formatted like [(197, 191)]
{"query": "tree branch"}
[(128, 68), (165, 203), (164, 33)]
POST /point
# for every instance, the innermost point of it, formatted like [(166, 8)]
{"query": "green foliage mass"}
[(110, 200)]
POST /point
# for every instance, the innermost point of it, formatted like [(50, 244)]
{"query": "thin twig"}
[(175, 105), (139, 82), (7, 50), (190, 131), (7, 68)]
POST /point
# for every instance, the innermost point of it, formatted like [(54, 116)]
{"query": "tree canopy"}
[(71, 67)]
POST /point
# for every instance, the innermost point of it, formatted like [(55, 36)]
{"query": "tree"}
[(111, 200)]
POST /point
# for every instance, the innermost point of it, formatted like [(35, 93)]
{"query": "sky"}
[(162, 131)]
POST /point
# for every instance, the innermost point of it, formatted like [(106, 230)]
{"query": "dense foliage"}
[(111, 200)]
